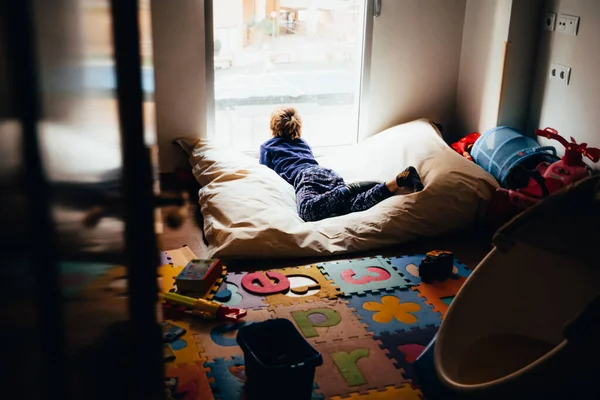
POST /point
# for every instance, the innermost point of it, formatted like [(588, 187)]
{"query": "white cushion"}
[(249, 211)]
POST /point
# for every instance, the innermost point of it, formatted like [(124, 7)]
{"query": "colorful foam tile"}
[(239, 296), (405, 347), (180, 257), (399, 310), (355, 366), (406, 392), (408, 266), (229, 377), (192, 381), (188, 347), (363, 275), (440, 294), (218, 337), (323, 321), (307, 284)]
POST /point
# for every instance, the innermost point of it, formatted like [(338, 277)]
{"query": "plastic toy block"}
[(408, 266), (192, 381), (406, 392), (399, 310), (240, 297), (355, 366), (323, 321), (180, 258), (363, 275), (189, 346), (218, 337), (307, 284), (436, 293), (199, 277), (229, 377), (405, 347)]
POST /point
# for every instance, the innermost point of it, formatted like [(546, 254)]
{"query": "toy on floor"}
[(436, 265), (172, 332), (280, 363), (199, 276), (546, 178), (205, 308)]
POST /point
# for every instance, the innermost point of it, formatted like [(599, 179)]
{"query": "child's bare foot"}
[(409, 180)]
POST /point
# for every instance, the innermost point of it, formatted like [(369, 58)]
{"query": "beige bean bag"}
[(249, 211)]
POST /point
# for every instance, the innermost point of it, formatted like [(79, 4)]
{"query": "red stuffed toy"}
[(464, 145)]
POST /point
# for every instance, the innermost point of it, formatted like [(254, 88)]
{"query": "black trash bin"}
[(280, 363)]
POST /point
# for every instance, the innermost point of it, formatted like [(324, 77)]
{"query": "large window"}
[(303, 53)]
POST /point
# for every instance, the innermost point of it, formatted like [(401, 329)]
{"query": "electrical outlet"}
[(550, 21), (560, 73), (568, 24)]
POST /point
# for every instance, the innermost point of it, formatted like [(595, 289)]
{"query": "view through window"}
[(302, 53)]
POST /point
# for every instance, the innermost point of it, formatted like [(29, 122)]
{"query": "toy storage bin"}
[(280, 363), (526, 323), (502, 148)]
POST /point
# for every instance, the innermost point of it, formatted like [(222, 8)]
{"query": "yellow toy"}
[(205, 308)]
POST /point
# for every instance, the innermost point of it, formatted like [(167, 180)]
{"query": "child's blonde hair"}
[(285, 123)]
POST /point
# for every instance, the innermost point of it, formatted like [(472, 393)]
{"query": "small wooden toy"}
[(199, 276), (437, 265)]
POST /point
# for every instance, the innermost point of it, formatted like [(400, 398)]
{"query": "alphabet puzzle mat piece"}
[(404, 348), (406, 392), (218, 337), (303, 293), (363, 275), (229, 377), (191, 378), (188, 347), (355, 366), (239, 296), (180, 257), (440, 294), (323, 321), (408, 266), (398, 310)]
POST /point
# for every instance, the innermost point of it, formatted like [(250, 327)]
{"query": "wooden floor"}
[(468, 246)]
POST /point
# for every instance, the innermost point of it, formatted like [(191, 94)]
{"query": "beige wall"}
[(486, 28), (180, 76), (415, 62), (526, 18), (572, 110)]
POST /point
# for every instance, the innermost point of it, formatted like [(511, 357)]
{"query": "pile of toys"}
[(525, 184)]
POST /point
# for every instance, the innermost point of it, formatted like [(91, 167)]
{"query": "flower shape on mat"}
[(391, 307)]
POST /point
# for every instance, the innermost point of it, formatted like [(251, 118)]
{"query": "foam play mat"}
[(370, 318)]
